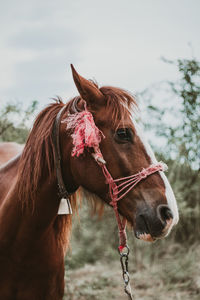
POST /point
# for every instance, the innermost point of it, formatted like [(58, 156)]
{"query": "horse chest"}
[(33, 278)]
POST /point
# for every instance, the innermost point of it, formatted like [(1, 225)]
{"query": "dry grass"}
[(168, 277)]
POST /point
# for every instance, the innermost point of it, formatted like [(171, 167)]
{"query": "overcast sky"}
[(117, 42)]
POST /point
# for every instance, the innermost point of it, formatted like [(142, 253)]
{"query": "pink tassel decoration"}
[(86, 134)]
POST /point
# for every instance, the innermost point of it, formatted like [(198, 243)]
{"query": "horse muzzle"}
[(151, 225)]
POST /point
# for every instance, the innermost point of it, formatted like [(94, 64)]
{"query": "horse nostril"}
[(164, 213)]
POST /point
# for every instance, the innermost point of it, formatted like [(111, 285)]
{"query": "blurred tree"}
[(13, 121), (180, 121), (187, 89)]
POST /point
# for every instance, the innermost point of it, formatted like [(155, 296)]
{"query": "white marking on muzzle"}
[(171, 200), (146, 237)]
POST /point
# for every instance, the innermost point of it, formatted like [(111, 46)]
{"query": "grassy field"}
[(173, 275)]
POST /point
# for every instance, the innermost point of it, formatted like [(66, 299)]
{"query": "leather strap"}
[(63, 193)]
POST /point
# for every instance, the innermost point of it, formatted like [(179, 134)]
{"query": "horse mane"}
[(38, 152), (37, 158)]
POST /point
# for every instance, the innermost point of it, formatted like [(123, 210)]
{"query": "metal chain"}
[(124, 264)]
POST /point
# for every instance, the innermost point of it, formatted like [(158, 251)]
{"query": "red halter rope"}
[(126, 184)]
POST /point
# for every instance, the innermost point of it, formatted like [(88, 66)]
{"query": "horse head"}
[(110, 136)]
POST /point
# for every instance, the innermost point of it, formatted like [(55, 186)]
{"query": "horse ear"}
[(88, 90)]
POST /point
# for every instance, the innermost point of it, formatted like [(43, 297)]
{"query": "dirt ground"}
[(104, 282)]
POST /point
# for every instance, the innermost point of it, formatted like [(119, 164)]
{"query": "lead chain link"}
[(125, 273)]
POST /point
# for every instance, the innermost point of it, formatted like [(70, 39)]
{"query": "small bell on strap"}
[(65, 207)]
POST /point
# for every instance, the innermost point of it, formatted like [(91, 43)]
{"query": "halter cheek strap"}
[(63, 193), (65, 206)]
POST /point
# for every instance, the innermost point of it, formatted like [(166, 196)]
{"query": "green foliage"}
[(13, 122), (188, 91), (179, 123)]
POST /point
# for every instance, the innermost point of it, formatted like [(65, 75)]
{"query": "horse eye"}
[(124, 135)]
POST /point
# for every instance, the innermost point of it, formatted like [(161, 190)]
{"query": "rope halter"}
[(119, 188), (87, 135)]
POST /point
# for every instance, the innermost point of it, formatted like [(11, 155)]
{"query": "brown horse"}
[(33, 237), (9, 150)]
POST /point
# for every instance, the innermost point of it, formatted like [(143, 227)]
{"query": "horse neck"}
[(21, 222), (43, 207)]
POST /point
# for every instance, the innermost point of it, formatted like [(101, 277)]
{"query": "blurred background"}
[(152, 49)]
